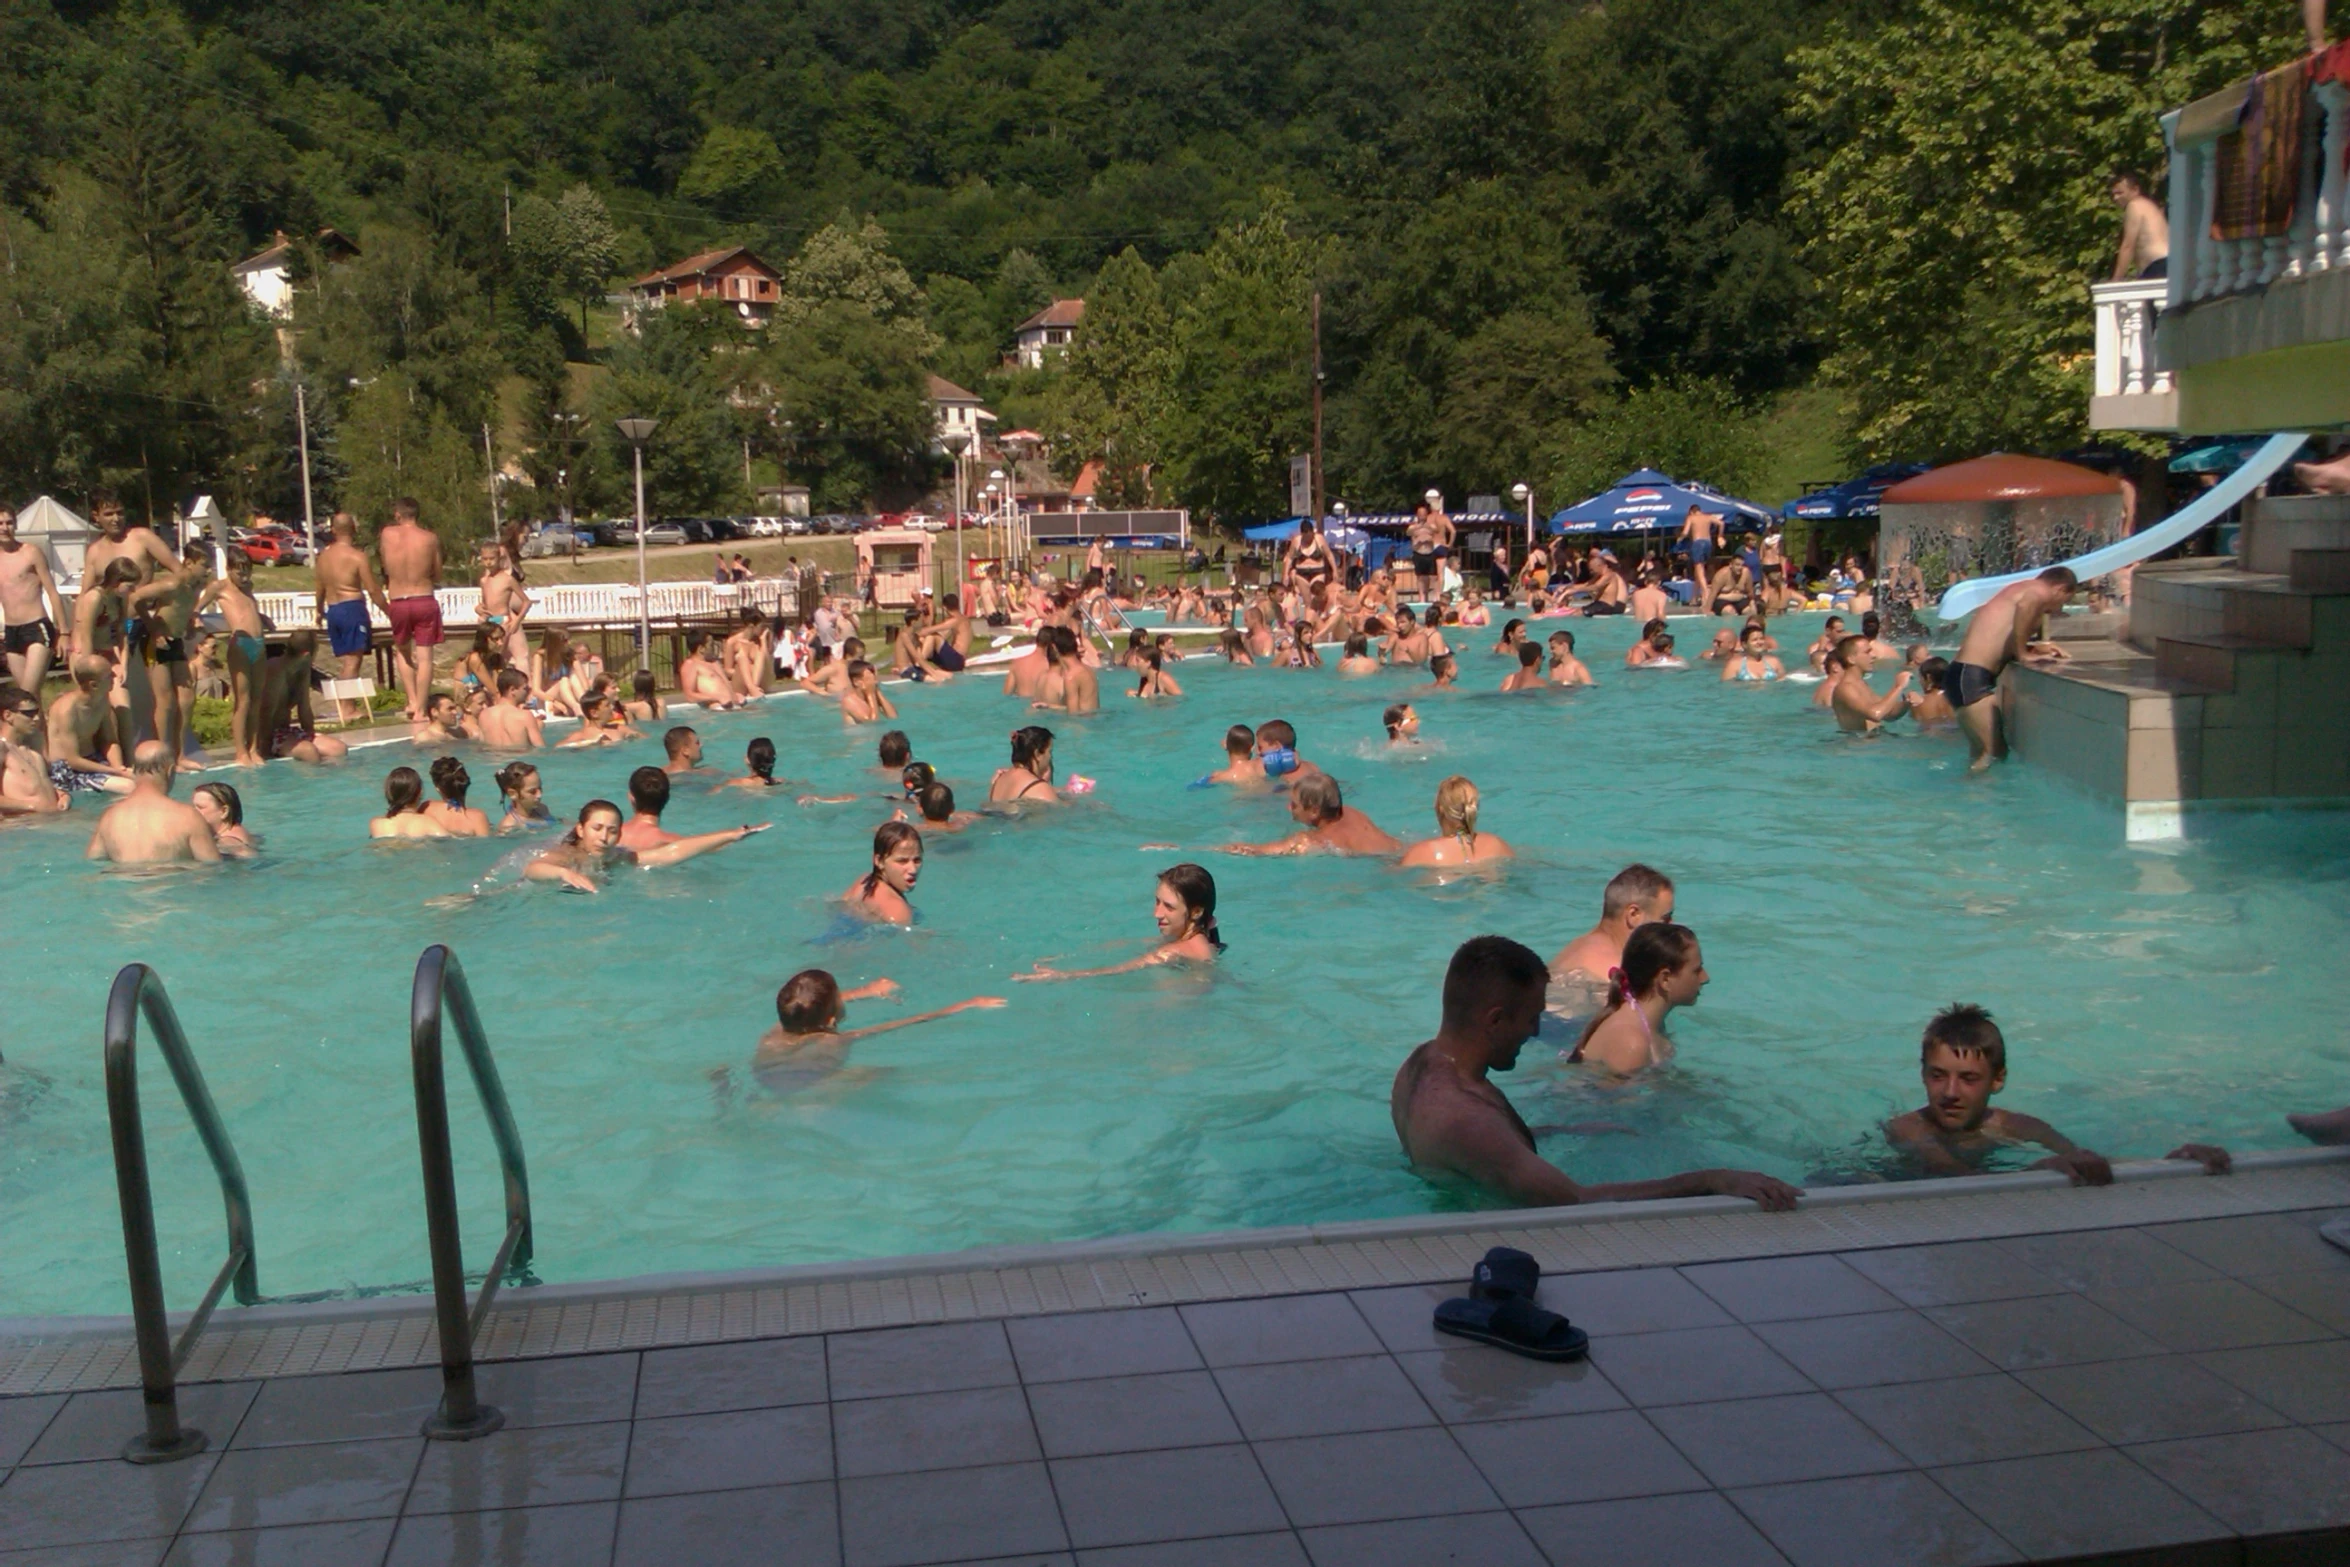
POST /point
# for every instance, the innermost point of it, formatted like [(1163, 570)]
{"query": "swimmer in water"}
[(1326, 823), (1633, 897), (1357, 659), (1029, 778), (1153, 680), (808, 1045), (1823, 695), (451, 781), (893, 752), (223, 810), (147, 826), (1453, 1122), (1859, 710), (865, 702), (1830, 634), (525, 798), (404, 815), (1277, 752), (1403, 724), (759, 759), (936, 803), (881, 894), (1963, 1061), (1662, 969), (1457, 840), (1443, 671), (1565, 668), (1930, 704), (1240, 758), (1528, 675), (592, 846), (1753, 660), (1184, 908), (506, 723), (444, 722), (594, 725), (681, 751)]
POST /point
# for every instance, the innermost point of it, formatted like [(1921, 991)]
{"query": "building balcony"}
[(2131, 392)]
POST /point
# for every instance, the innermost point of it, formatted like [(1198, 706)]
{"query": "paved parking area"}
[(2177, 1389)]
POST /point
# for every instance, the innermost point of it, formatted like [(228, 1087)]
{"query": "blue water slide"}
[(2201, 513)]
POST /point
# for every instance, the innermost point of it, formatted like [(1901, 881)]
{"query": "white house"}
[(1047, 333), (955, 411), (266, 276)]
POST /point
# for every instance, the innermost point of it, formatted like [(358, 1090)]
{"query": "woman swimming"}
[(1753, 660), (1030, 777), (1513, 632), (759, 757), (1458, 842), (523, 795), (1154, 680), (404, 815), (881, 894), (593, 845), (644, 703), (1184, 909), (450, 810), (223, 811), (1662, 969)]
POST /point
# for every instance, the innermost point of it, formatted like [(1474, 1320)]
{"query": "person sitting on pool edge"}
[(1325, 822), (1458, 842), (1184, 909), (1963, 1060), (807, 1043), (1455, 1124), (1662, 969)]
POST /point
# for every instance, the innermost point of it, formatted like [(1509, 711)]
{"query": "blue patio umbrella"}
[(1857, 496), (1647, 501), (2219, 457)]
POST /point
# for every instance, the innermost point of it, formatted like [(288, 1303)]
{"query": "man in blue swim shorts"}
[(346, 581)]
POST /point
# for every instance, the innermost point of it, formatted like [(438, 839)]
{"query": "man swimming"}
[(1830, 634), (1528, 675), (1326, 824), (148, 826), (1632, 898), (2003, 631), (1454, 1123), (648, 792), (444, 722), (1963, 1061), (682, 752), (506, 724), (1859, 710), (1240, 758), (808, 1045)]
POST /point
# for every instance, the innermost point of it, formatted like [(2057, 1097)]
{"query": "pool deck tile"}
[(2161, 1378)]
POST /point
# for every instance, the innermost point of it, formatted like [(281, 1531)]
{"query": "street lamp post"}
[(636, 432), (1525, 497), (1003, 504), (957, 442)]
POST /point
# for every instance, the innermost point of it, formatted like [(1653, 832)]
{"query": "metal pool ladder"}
[(440, 984), (137, 989)]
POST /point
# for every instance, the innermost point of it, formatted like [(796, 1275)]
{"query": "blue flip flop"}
[(1515, 1324), (1505, 1274)]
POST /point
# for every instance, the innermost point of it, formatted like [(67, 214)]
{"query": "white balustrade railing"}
[(2202, 267), (2125, 338), (573, 603)]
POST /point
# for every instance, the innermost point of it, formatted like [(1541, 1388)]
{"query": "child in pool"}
[(808, 1045), (1963, 1060)]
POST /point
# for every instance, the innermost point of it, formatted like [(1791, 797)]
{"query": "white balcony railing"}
[(570, 603), (2125, 337), (2318, 241)]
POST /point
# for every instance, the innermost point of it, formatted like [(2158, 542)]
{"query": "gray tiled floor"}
[(2169, 1389)]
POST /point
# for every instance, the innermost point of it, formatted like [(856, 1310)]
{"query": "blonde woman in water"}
[(1458, 842)]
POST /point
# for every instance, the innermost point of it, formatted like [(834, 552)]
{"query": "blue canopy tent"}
[(1855, 497), (1649, 502), (1342, 535)]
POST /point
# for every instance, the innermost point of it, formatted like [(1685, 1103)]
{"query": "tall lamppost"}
[(636, 432), (1525, 497), (958, 442), (1002, 491)]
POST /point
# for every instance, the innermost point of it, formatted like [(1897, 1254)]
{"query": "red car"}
[(259, 548)]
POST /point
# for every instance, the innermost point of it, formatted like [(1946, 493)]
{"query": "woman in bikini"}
[(881, 894), (1029, 778), (1184, 909), (404, 815), (1513, 632), (1662, 969), (524, 797), (1457, 840), (759, 758), (1154, 680), (457, 818), (1753, 660)]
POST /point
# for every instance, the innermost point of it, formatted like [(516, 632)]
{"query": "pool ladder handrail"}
[(139, 990), (440, 986)]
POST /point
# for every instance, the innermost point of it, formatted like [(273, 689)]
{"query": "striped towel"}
[(2260, 160)]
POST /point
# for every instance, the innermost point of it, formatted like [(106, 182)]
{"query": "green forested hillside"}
[(1548, 236)]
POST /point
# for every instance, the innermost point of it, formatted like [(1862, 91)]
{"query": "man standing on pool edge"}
[(1452, 1121), (412, 571)]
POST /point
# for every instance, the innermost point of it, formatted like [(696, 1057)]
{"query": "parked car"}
[(793, 527), (655, 533), (555, 538), (259, 548), (292, 548)]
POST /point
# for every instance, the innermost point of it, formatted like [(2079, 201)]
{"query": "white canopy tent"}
[(62, 535)]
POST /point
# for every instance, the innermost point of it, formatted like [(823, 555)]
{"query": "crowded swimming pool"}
[(1843, 889)]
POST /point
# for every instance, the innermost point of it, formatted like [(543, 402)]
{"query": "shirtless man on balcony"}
[(2144, 250)]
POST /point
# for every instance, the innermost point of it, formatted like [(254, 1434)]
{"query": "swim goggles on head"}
[(1279, 759)]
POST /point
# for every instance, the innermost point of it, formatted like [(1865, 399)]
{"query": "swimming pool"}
[(1842, 890)]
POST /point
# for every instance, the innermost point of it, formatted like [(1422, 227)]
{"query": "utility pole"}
[(302, 435), (1318, 512), (490, 456)]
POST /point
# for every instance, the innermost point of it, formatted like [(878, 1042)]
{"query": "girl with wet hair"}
[(759, 758), (520, 791), (1184, 909), (1662, 969), (1458, 842), (1513, 632), (1030, 777), (882, 893), (450, 778), (404, 815), (223, 811)]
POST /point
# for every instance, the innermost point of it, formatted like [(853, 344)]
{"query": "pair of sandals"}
[(1499, 1310)]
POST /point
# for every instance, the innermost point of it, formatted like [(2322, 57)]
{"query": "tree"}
[(680, 368), (1110, 403), (851, 405), (1959, 210), (562, 250), (1691, 430), (734, 165)]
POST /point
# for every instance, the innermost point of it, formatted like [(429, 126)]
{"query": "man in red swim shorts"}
[(412, 570)]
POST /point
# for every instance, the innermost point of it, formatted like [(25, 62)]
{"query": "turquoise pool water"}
[(1842, 889)]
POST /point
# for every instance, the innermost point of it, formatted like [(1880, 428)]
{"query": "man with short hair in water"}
[(1565, 668), (1872, 630), (681, 751), (444, 722), (148, 826), (1528, 675), (1831, 633), (1068, 686), (1633, 897), (25, 786), (2003, 631), (864, 702), (648, 792), (1240, 758), (808, 1044), (30, 607), (412, 575), (86, 732), (1325, 823), (506, 723), (1859, 710), (346, 583), (1454, 1123)]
